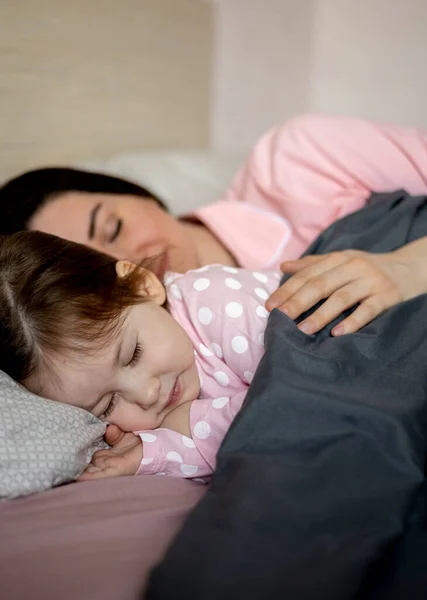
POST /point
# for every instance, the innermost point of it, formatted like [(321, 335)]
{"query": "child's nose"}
[(152, 393)]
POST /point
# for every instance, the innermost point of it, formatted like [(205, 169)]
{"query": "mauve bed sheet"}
[(90, 541)]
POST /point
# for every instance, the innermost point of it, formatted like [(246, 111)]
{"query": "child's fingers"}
[(113, 435), (104, 460), (99, 474), (100, 453)]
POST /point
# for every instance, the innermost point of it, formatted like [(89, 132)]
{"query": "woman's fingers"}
[(293, 266), (346, 278), (319, 287), (308, 273), (365, 313), (335, 305)]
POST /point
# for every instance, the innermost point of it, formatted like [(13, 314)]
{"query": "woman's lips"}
[(175, 394)]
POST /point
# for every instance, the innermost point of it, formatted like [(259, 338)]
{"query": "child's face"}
[(143, 375)]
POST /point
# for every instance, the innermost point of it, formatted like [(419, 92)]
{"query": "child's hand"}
[(124, 457)]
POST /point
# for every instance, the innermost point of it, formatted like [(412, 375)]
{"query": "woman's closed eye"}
[(110, 228), (116, 231)]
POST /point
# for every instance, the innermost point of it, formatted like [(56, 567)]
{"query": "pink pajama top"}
[(304, 175), (222, 310)]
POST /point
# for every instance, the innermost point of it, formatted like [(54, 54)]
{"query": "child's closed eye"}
[(111, 405), (135, 356)]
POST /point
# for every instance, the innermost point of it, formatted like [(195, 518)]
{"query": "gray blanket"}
[(319, 491)]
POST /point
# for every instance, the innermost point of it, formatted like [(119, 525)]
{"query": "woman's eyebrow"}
[(92, 220)]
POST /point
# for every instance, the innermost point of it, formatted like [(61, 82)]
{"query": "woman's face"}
[(124, 226)]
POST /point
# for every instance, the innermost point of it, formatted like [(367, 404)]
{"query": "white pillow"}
[(42, 443), (184, 180)]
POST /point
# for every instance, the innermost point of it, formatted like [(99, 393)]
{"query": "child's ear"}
[(150, 285), (124, 267)]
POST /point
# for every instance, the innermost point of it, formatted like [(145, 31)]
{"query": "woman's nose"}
[(138, 247)]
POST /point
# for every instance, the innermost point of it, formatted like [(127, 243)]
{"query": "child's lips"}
[(174, 395)]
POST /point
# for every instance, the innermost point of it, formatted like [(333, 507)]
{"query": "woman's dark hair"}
[(23, 196), (55, 296)]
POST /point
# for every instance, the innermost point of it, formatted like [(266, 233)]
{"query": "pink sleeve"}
[(317, 158), (210, 419), (167, 452), (315, 169)]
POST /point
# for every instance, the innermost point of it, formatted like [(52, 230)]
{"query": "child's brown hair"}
[(57, 295)]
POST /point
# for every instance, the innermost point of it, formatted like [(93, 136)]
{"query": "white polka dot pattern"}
[(204, 350), (201, 284), (189, 470), (230, 270), (220, 402), (217, 349), (147, 461), (262, 312), (261, 293), (260, 277), (239, 344), (222, 378), (148, 437), (205, 315), (234, 310), (188, 442), (232, 283), (202, 430), (174, 456)]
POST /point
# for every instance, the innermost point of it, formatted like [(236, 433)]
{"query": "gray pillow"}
[(42, 443)]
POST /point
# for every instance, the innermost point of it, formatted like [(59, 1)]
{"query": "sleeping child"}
[(167, 364)]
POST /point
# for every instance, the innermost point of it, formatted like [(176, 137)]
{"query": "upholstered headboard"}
[(86, 79)]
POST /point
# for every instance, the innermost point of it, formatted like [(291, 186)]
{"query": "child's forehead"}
[(76, 380)]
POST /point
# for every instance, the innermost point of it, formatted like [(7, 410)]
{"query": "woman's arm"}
[(321, 159), (315, 169)]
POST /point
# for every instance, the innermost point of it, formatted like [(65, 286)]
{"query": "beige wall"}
[(89, 78), (261, 67), (370, 59), (277, 58)]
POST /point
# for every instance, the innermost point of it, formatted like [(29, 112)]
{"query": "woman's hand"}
[(123, 458), (376, 281)]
